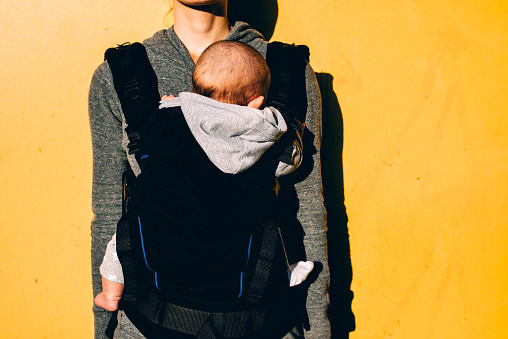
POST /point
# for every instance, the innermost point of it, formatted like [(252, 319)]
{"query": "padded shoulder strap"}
[(136, 86), (288, 90)]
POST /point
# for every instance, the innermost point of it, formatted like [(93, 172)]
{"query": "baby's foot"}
[(107, 303), (299, 271)]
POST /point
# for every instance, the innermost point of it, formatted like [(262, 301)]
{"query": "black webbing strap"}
[(126, 256), (136, 86), (218, 323), (112, 324), (258, 278), (213, 328), (288, 88)]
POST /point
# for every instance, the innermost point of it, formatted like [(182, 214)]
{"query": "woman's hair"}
[(231, 72), (168, 17)]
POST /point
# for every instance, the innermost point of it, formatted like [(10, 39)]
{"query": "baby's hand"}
[(168, 97)]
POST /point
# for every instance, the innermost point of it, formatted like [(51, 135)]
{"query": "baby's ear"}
[(256, 102)]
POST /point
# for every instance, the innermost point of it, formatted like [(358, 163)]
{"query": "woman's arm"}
[(109, 162), (312, 213)]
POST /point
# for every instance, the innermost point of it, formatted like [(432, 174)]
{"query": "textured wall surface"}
[(423, 106)]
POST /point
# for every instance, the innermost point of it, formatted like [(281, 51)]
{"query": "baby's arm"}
[(112, 279)]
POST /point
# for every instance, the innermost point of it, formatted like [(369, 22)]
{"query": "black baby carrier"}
[(200, 249)]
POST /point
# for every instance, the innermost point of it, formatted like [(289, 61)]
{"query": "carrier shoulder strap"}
[(136, 86), (288, 91)]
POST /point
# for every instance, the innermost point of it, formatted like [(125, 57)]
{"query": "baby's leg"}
[(110, 295)]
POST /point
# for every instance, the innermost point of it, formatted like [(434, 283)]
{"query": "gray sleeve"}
[(312, 216), (111, 268), (109, 162)]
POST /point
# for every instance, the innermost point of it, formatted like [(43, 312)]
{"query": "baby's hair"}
[(231, 72)]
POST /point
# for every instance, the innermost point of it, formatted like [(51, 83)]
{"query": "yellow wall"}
[(422, 88)]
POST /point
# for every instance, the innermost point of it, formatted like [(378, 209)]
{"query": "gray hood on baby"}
[(233, 137)]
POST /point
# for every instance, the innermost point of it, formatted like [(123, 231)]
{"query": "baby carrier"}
[(201, 254)]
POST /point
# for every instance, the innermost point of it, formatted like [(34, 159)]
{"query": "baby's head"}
[(231, 72)]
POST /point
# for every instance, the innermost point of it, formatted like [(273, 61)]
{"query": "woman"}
[(173, 53)]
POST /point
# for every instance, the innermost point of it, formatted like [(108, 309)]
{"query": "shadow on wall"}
[(259, 14), (340, 313), (262, 16)]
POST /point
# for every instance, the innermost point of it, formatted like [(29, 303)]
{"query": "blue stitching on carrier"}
[(241, 274), (144, 254)]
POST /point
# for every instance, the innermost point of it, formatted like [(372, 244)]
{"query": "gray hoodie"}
[(173, 67), (233, 137)]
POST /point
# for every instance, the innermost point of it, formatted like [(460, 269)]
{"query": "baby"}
[(230, 84)]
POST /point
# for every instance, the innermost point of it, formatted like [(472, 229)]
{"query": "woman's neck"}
[(199, 27)]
